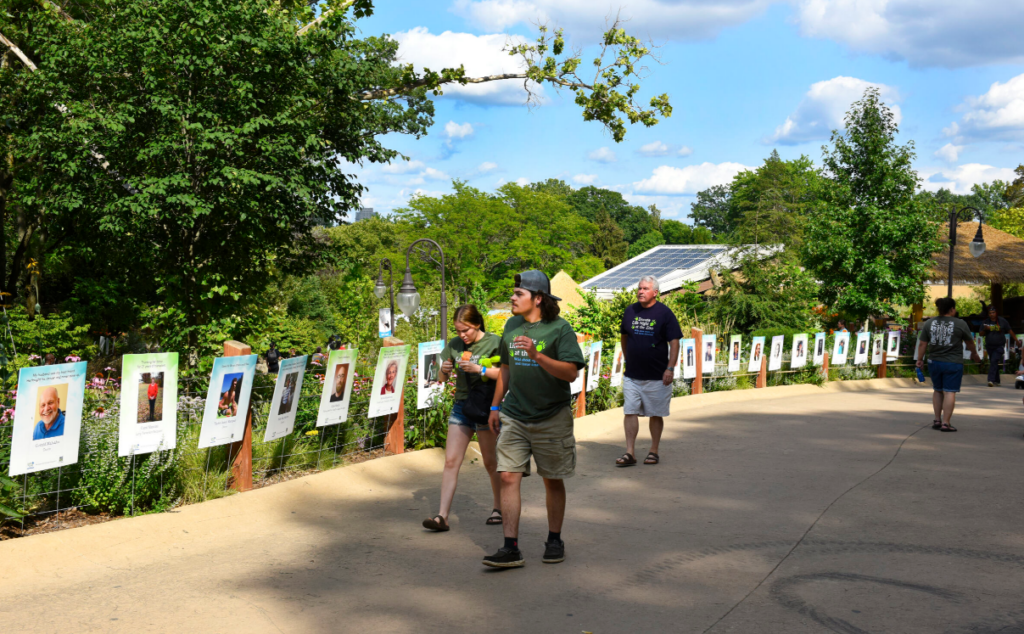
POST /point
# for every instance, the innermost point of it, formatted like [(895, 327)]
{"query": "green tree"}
[(650, 240), (713, 209), (770, 203), (676, 232), (590, 201), (870, 240), (1014, 194), (608, 245), (765, 294)]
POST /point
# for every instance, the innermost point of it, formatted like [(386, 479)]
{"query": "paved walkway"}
[(793, 509)]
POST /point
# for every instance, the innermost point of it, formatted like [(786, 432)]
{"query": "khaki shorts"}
[(550, 442)]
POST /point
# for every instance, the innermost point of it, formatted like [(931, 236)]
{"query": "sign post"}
[(241, 466), (394, 441), (698, 349)]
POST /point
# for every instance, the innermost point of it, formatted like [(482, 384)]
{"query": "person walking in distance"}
[(650, 337), (540, 357), (273, 359), (995, 329), (945, 337)]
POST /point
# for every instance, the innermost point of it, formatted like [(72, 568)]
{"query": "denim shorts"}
[(458, 418), (946, 376)]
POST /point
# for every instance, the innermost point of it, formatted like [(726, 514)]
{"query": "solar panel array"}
[(658, 262)]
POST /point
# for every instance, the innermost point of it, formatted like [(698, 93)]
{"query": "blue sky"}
[(744, 77)]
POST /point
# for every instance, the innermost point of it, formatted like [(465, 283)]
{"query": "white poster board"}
[(384, 322), (227, 400), (149, 403), (594, 369), (284, 405), (979, 344), (618, 365), (688, 350), (892, 346), (577, 386), (338, 380), (840, 349), (47, 417), (860, 356), (428, 373), (775, 356), (756, 354), (877, 348), (735, 352), (388, 381), (708, 343), (798, 357), (819, 348)]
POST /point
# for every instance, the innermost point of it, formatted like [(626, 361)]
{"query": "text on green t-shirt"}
[(534, 394)]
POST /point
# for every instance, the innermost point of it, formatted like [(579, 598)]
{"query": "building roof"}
[(671, 264), (562, 285), (1001, 263)]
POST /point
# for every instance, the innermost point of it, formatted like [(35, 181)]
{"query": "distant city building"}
[(365, 213)]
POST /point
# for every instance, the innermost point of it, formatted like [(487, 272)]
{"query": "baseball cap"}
[(536, 282)]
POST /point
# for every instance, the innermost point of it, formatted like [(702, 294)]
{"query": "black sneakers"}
[(506, 558), (554, 552)]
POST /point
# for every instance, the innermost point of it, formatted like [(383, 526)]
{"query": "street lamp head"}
[(408, 299), (380, 289), (977, 246)]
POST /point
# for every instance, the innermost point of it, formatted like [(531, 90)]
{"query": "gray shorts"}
[(550, 442), (646, 398)]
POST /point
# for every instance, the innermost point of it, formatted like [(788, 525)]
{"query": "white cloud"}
[(403, 168), (435, 175), (481, 55), (824, 106), (522, 181), (997, 114), (486, 167), (602, 155), (949, 152), (584, 179), (454, 130), (668, 180), (661, 19), (960, 179), (949, 33), (658, 148)]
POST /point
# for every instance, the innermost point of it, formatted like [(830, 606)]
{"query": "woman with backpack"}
[(473, 395)]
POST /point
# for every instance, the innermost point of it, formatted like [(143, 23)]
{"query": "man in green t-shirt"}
[(945, 337), (540, 357)]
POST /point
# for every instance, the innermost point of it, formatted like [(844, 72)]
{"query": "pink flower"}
[(34, 357), (109, 369), (72, 358), (100, 412)]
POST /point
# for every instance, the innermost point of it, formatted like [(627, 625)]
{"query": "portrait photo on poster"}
[(577, 385), (594, 368), (428, 370), (618, 365), (339, 377), (689, 352), (384, 322), (388, 380), (893, 345), (798, 356), (860, 356), (840, 348), (756, 353), (284, 403), (775, 357), (877, 349), (819, 348), (227, 400), (735, 352), (708, 343), (149, 403), (47, 417)]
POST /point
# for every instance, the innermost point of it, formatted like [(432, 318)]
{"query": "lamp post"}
[(977, 246), (379, 289), (409, 297)]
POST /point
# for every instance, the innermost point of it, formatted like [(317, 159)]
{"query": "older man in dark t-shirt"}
[(995, 329), (650, 342)]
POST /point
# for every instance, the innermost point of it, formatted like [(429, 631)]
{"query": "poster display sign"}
[(861, 354), (819, 348), (756, 353), (689, 353), (577, 386), (284, 405), (594, 365), (892, 345), (877, 349), (798, 357), (841, 348), (338, 379), (149, 403), (979, 344), (47, 417), (384, 322), (708, 342), (735, 345), (618, 365), (388, 381), (1006, 348), (677, 371), (775, 358), (428, 373), (227, 400)]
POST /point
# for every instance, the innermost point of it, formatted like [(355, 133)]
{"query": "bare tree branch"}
[(323, 16), (46, 4), (426, 81), (17, 51)]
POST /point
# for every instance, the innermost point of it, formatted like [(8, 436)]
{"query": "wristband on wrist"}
[(495, 408)]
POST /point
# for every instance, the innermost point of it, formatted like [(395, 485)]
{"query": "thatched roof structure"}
[(565, 287), (1001, 263)]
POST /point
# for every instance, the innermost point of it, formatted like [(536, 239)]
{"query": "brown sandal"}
[(652, 458), (627, 460), (494, 520), (436, 523)]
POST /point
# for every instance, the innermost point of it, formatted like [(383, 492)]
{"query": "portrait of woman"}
[(777, 351), (689, 356), (757, 351), (878, 346), (340, 379), (799, 349), (842, 346), (389, 378), (863, 347), (821, 347), (709, 353), (736, 351)]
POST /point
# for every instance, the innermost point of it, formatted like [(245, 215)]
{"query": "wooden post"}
[(882, 371), (394, 441), (762, 376), (916, 314), (241, 465), (698, 349), (824, 365), (581, 398)]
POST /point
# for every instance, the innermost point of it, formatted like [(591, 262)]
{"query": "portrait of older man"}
[(51, 417)]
